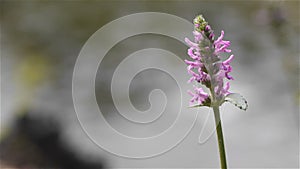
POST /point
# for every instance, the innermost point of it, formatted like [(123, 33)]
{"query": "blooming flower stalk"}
[(206, 66), (209, 66)]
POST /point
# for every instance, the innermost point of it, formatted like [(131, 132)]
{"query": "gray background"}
[(47, 37)]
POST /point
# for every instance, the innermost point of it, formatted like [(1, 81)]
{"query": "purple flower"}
[(206, 66), (198, 97), (221, 45)]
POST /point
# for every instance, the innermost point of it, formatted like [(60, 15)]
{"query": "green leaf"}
[(195, 106), (238, 100)]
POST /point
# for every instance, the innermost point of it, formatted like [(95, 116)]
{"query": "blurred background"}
[(40, 42)]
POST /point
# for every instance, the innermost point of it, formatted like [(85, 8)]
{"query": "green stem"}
[(220, 137), (215, 105)]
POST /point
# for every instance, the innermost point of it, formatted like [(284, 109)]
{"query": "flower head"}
[(206, 66)]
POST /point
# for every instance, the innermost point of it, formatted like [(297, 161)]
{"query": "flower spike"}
[(206, 66)]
